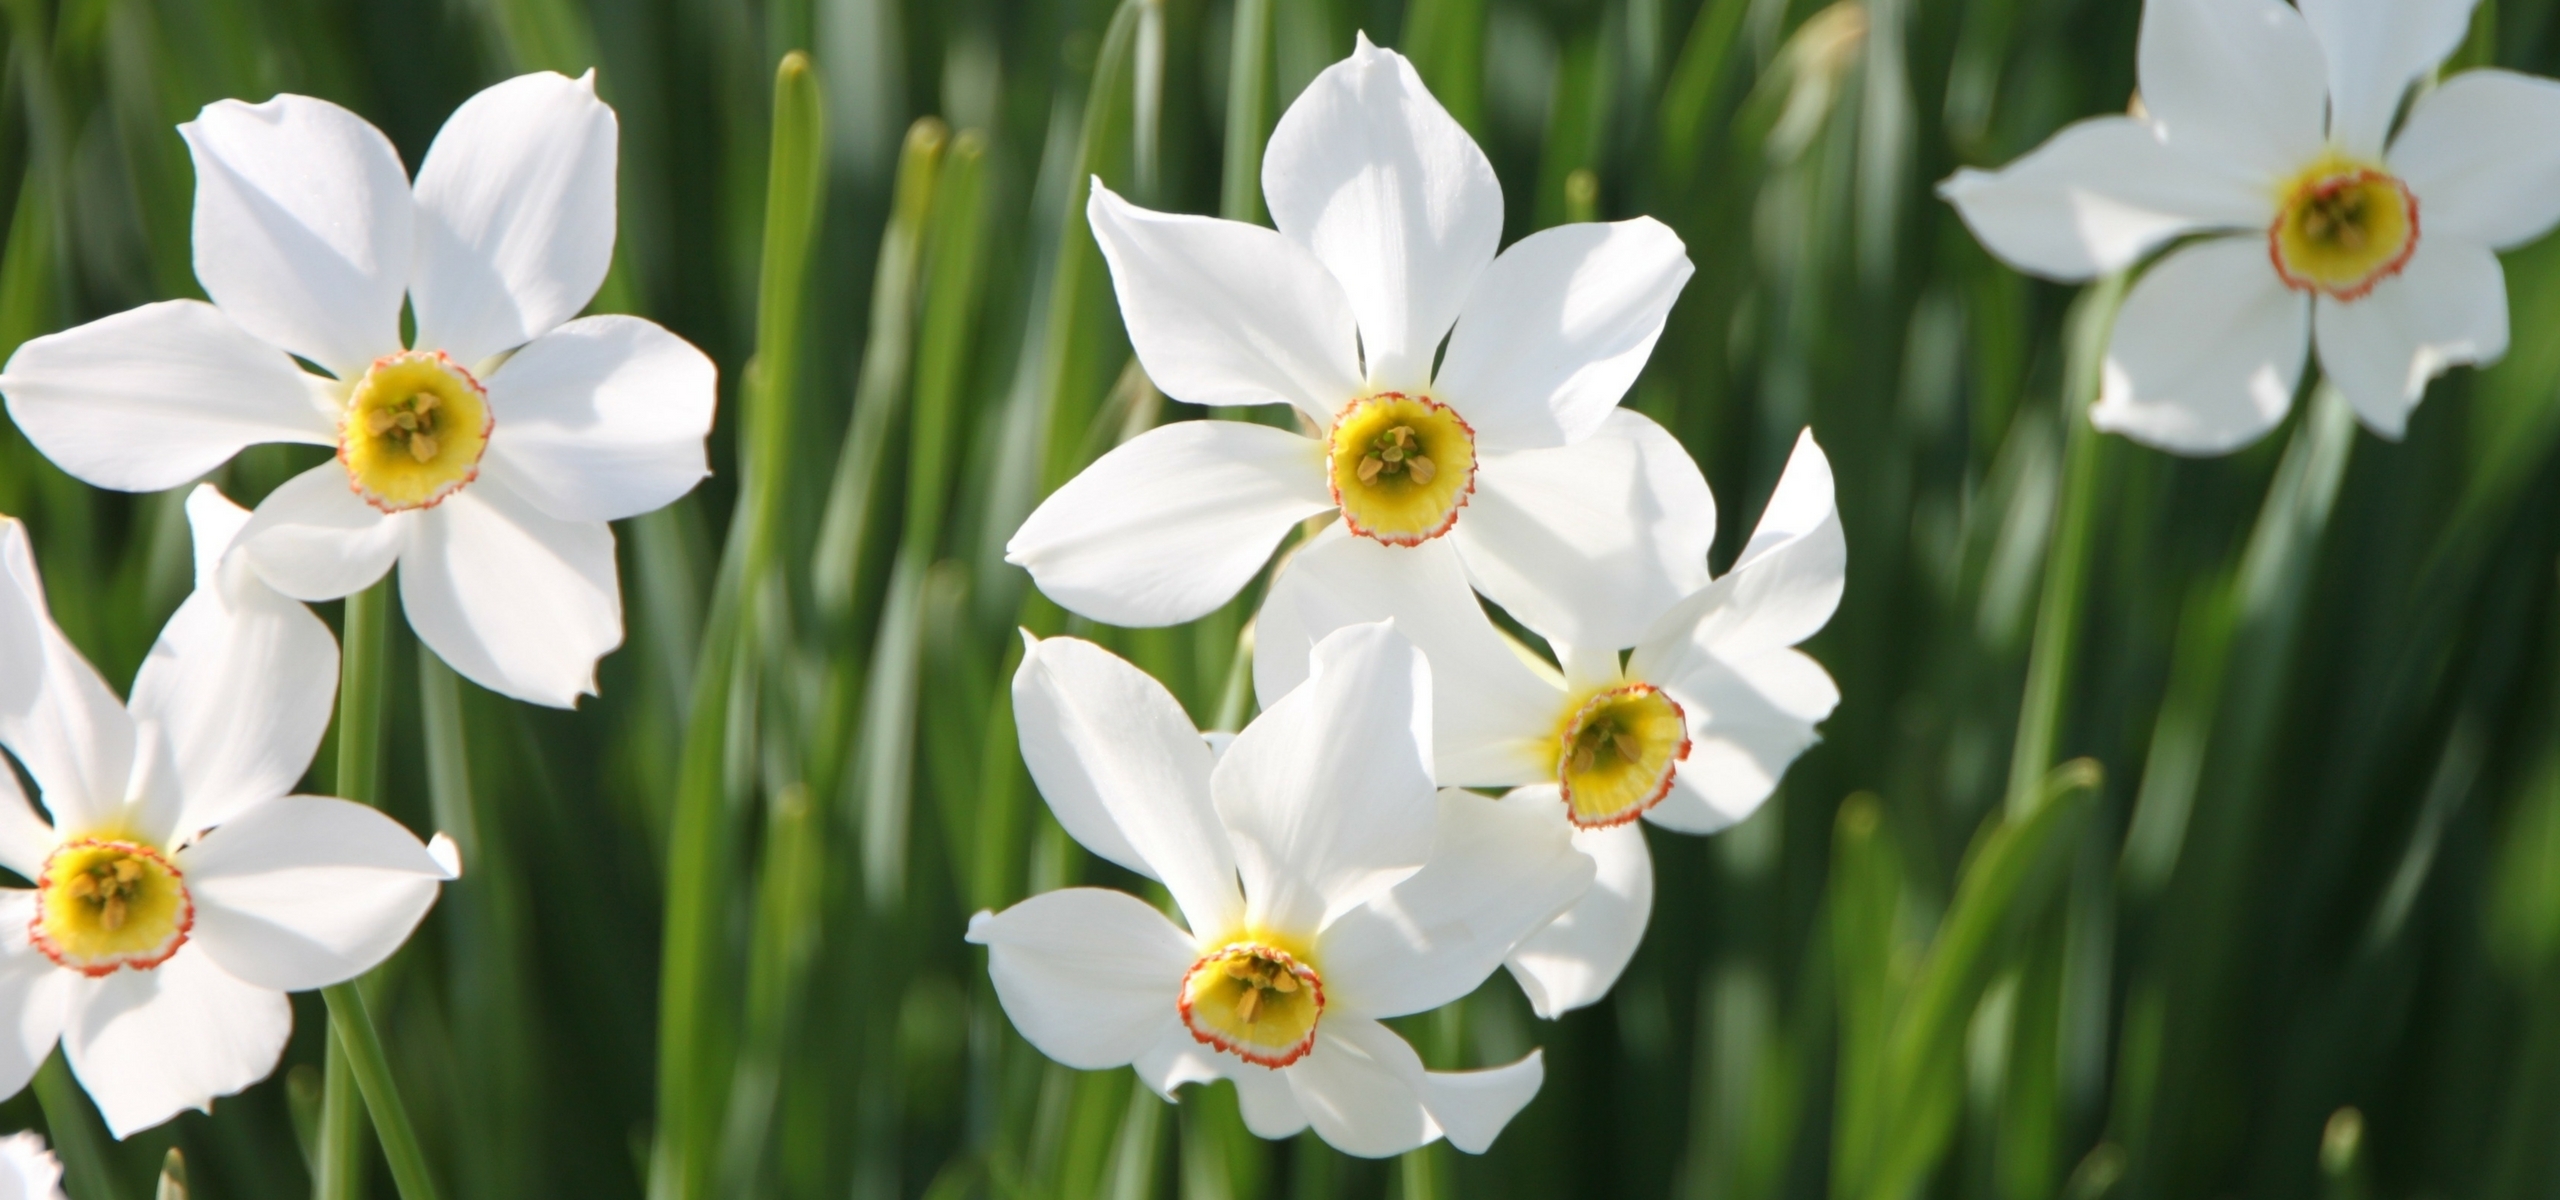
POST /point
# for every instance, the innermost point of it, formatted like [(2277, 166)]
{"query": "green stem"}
[(1248, 112), (352, 1022), (78, 1137), (2066, 570), (338, 1168), (355, 1052)]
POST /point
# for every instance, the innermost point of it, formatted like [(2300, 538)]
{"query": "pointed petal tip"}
[(448, 856)]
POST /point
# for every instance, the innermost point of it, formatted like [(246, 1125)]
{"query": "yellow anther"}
[(1422, 469)]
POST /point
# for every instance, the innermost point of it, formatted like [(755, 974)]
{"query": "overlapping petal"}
[(155, 396), (28, 1170), (60, 720), (1590, 543), (25, 839), (1126, 773), (515, 215), (1088, 975), (1328, 795), (1171, 523), (1472, 1107), (518, 601), (603, 418), (1369, 172), (2207, 351), (1493, 718), (1269, 1104), (303, 227), (239, 684), (1558, 328), (2448, 307), (314, 539), (2097, 197), (1575, 959), (302, 892), (2375, 49), (2238, 84), (1225, 313), (1782, 589), (1497, 873), (2482, 152), (150, 1044)]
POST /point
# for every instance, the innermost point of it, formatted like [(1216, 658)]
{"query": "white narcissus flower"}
[(28, 1169), (486, 457), (1324, 883), (1691, 731), (180, 891), (2266, 133), (1514, 448)]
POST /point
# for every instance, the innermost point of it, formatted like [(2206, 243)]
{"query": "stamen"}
[(1618, 751), (104, 905), (415, 429), (1255, 1001), (1402, 467)]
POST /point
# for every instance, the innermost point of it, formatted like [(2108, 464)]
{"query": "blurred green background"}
[(2292, 930)]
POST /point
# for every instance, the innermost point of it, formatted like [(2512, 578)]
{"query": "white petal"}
[(1269, 1104), (1557, 328), (1472, 1107), (603, 418), (2482, 153), (1493, 719), (29, 1169), (1590, 543), (314, 539), (519, 602), (1498, 872), (25, 840), (1783, 588), (56, 714), (1222, 312), (1367, 170), (150, 1044), (2375, 49), (239, 687), (1361, 1087), (1171, 523), (1126, 773), (2448, 307), (515, 215), (2096, 198), (1174, 1059), (2206, 351), (1089, 976), (2237, 83), (1747, 721), (34, 994), (302, 227), (1577, 957), (1328, 793), (213, 523), (153, 397), (305, 891)]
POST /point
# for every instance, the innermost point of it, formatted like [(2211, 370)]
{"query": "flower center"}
[(1254, 1001), (1617, 752), (413, 430), (102, 905), (2344, 228), (1402, 467)]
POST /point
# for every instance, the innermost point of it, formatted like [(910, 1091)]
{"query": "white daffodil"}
[(1691, 731), (1298, 860), (180, 891), (2266, 133), (486, 456), (28, 1170), (1514, 449)]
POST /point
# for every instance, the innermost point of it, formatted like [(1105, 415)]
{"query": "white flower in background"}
[(484, 458), (180, 891), (28, 1170), (1298, 861), (2266, 133), (1691, 731), (1514, 449)]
